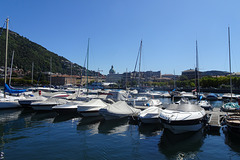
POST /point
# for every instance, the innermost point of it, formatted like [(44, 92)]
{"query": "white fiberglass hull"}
[(9, 104)]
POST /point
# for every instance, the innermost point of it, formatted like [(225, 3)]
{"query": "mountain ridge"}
[(26, 52)]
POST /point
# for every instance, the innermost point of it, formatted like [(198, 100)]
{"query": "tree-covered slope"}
[(26, 52)]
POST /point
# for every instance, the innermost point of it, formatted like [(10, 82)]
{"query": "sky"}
[(168, 30)]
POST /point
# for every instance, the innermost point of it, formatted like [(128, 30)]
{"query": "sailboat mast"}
[(50, 73), (197, 72), (5, 72), (11, 69), (140, 55), (230, 61), (87, 63), (32, 71)]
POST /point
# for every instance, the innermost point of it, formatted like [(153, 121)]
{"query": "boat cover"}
[(185, 107), (9, 90), (121, 107), (94, 103), (118, 95)]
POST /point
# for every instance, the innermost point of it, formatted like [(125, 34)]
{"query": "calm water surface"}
[(26, 134)]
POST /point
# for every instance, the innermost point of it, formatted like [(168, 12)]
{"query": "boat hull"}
[(9, 104), (89, 113), (42, 107), (178, 129)]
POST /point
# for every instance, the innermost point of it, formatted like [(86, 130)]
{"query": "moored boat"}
[(117, 110), (150, 115), (183, 117), (91, 108)]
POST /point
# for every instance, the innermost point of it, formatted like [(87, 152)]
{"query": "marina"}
[(167, 107), (31, 134)]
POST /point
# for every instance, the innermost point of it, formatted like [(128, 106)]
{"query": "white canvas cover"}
[(151, 112), (120, 109), (93, 104), (118, 95)]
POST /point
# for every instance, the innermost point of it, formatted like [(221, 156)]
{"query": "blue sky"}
[(168, 28)]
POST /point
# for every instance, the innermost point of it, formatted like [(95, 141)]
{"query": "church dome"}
[(112, 71)]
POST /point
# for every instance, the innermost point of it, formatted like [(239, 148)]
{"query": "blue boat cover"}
[(9, 90)]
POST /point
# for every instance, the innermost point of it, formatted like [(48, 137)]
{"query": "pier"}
[(215, 118)]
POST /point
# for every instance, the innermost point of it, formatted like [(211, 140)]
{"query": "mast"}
[(197, 73), (11, 69), (87, 63), (140, 55), (5, 71), (50, 72), (230, 61), (71, 74), (32, 71)]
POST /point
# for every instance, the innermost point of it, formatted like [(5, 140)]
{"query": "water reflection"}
[(44, 116), (88, 123), (62, 117), (183, 146), (150, 130), (232, 139), (7, 115), (113, 126)]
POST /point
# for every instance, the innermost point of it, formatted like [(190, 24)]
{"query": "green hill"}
[(26, 52)]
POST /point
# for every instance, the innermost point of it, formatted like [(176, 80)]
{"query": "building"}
[(112, 77)]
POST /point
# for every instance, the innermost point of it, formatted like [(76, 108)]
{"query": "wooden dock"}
[(215, 118)]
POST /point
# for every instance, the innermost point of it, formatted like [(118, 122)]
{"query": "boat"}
[(7, 102), (137, 101), (27, 101), (47, 104), (183, 117), (153, 102), (117, 110), (230, 106), (205, 104), (233, 121), (150, 115), (212, 97), (68, 108), (91, 108)]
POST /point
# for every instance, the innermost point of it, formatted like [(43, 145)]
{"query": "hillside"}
[(26, 52)]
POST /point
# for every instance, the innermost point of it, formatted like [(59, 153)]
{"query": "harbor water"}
[(26, 134)]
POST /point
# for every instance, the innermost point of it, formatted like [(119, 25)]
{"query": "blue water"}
[(26, 134)]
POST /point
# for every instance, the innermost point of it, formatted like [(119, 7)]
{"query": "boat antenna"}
[(5, 71)]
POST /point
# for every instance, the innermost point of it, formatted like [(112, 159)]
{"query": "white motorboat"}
[(69, 107), (10, 102), (91, 108), (119, 109), (27, 101), (47, 104), (205, 104), (183, 117), (150, 115), (137, 101), (153, 102)]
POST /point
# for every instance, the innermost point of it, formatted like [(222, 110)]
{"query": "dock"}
[(215, 118)]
